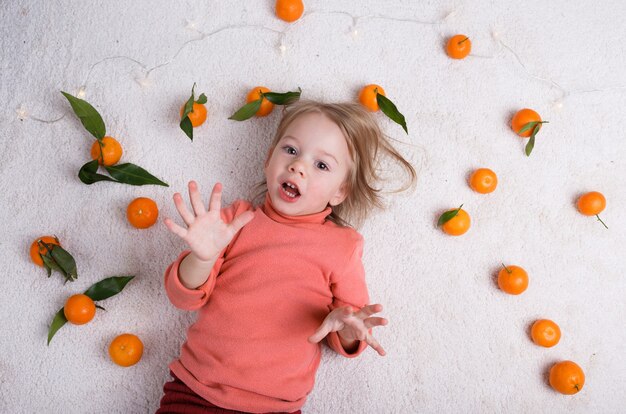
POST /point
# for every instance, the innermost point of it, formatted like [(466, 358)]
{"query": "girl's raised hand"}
[(352, 325), (206, 233)]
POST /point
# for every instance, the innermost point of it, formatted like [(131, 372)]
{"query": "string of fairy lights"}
[(145, 81)]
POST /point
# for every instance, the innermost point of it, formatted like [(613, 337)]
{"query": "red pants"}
[(178, 398)]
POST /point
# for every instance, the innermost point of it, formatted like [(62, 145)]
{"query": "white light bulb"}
[(355, 32), (144, 82), (81, 92), (21, 113), (282, 48), (191, 25)]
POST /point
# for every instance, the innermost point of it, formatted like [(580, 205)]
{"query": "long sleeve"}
[(349, 288), (193, 299)]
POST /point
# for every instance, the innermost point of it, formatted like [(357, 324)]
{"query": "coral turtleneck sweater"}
[(270, 290)]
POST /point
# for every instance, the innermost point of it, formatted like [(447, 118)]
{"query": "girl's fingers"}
[(175, 228), (186, 215), (331, 323), (215, 203), (374, 344), (241, 220), (196, 200), (374, 321), (369, 310), (321, 333)]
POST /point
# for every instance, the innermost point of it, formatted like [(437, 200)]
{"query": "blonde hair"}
[(366, 143)]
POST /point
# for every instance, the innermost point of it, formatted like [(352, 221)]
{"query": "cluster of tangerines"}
[(125, 349), (566, 377)]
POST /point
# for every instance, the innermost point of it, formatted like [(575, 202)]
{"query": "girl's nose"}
[(297, 167)]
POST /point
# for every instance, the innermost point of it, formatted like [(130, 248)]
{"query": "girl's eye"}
[(322, 166), (290, 150)]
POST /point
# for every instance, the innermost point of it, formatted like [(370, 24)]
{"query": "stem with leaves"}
[(123, 173), (535, 126), (99, 291), (59, 259), (248, 110), (185, 122)]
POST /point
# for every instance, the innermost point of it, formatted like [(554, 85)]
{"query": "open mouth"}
[(289, 191)]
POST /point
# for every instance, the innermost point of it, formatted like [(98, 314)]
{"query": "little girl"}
[(271, 281)]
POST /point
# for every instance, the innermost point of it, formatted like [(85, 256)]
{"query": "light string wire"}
[(145, 81)]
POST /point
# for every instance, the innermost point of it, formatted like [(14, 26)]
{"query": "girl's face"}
[(307, 169)]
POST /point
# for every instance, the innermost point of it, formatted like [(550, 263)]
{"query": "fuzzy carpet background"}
[(455, 342)]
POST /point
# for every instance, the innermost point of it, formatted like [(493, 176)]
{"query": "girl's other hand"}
[(206, 233), (352, 326)]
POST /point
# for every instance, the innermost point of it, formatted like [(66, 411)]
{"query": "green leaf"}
[(391, 111), (527, 127), (65, 262), (247, 111), (49, 264), (89, 117), (133, 174), (188, 104), (188, 107), (202, 99), (531, 141), (88, 175), (448, 215), (282, 98), (108, 287), (186, 126), (49, 261), (58, 321)]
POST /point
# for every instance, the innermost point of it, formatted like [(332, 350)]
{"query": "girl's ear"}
[(340, 195)]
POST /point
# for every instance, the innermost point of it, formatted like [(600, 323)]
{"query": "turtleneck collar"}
[(315, 218)]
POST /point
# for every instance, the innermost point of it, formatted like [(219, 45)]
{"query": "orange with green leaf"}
[(527, 123), (193, 113), (373, 98), (79, 307), (106, 151), (258, 93), (260, 101), (46, 251), (455, 222)]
